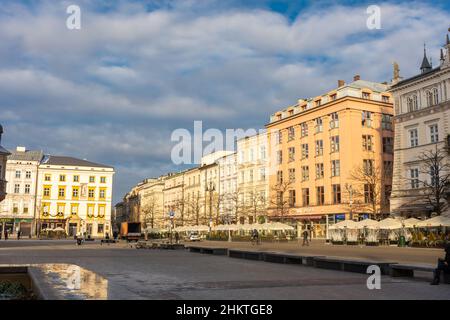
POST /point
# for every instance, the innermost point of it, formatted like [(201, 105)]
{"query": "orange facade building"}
[(331, 156)]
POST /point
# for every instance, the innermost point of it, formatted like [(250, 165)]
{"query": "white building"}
[(422, 123), (227, 186), (74, 194), (18, 209)]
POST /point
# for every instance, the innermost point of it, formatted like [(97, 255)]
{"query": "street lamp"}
[(211, 188)]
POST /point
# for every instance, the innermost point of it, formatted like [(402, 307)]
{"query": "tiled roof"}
[(29, 155), (69, 161)]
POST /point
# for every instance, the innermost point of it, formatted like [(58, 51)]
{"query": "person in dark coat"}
[(6, 234), (305, 238), (443, 265)]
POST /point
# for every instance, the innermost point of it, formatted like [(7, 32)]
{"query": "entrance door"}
[(89, 229), (72, 229)]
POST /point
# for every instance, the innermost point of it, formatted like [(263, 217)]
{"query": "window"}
[(15, 208), (435, 96), (434, 175), (90, 210), (291, 175), (413, 138), (76, 178), (75, 192), (366, 95), (74, 209), (102, 193), (62, 178), (366, 119), (387, 194), (334, 122), (319, 148), (25, 208), (305, 196), (385, 99), (336, 193), (305, 173), (305, 151), (279, 156), (91, 179), (333, 97), (335, 144), (429, 98), (61, 209), (304, 129), (368, 193), (47, 191), (250, 175), (18, 174), (386, 122), (319, 125), (320, 193), (291, 151), (48, 177), (318, 102), (335, 168), (27, 189), (388, 145), (61, 192), (434, 134), (291, 198), (414, 175), (100, 228), (262, 152), (387, 168), (291, 133), (412, 103), (367, 142), (319, 170), (28, 174), (279, 177), (17, 188), (262, 174), (368, 167)]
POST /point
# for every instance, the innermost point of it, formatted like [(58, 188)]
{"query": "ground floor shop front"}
[(73, 226), (12, 226)]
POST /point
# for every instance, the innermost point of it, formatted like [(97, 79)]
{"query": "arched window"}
[(435, 96), (429, 98)]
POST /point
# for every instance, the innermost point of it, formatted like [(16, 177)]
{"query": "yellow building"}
[(321, 147), (75, 195)]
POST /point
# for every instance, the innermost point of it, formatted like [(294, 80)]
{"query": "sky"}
[(115, 90)]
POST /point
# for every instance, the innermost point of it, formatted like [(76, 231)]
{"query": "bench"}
[(249, 255), (407, 270), (350, 265), (278, 257), (108, 241)]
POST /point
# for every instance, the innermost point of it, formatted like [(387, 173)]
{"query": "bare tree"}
[(280, 198), (150, 211), (435, 173), (217, 203), (255, 204), (368, 188), (195, 207), (236, 205)]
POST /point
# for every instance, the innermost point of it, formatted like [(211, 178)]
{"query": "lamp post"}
[(210, 188)]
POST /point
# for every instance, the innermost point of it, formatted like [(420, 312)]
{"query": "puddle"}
[(73, 282)]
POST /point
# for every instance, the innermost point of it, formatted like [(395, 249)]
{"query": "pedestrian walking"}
[(18, 234), (305, 238), (443, 266), (6, 234)]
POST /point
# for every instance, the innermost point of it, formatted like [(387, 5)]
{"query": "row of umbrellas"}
[(272, 226), (392, 224)]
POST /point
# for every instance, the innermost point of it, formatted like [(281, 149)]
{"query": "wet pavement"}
[(118, 271)]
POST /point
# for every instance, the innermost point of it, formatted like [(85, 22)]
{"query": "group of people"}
[(5, 233)]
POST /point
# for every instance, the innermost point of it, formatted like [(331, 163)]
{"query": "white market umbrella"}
[(367, 223), (247, 227), (390, 224), (278, 226), (350, 224), (59, 229), (438, 221), (411, 222), (226, 227)]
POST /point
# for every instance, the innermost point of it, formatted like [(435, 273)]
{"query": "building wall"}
[(152, 203), (406, 199), (349, 106), (252, 176), (92, 213), (228, 186)]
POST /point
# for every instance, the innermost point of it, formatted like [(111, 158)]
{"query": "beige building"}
[(75, 195), (252, 178), (174, 198), (229, 204), (318, 147), (193, 206), (422, 125), (18, 209), (151, 193)]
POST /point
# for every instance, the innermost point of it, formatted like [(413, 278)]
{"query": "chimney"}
[(341, 83), (356, 77), (21, 149)]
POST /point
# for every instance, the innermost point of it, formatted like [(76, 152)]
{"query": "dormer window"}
[(291, 112), (366, 95), (333, 97), (385, 99), (318, 102)]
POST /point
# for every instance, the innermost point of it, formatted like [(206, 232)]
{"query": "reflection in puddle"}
[(74, 282)]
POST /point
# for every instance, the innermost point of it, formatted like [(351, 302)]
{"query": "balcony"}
[(2, 189)]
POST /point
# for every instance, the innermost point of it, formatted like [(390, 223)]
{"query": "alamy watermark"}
[(374, 19), (73, 21), (374, 280)]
